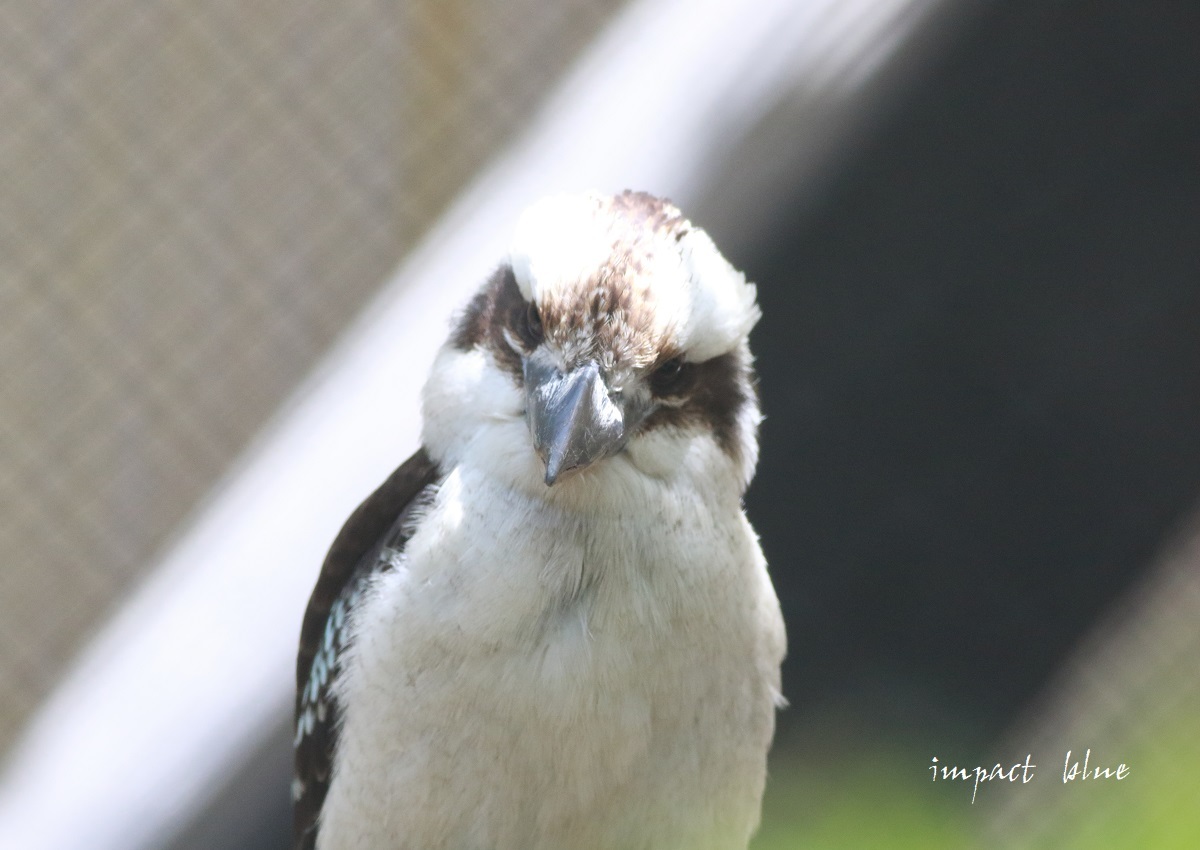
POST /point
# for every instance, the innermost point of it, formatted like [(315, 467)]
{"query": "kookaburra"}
[(552, 628)]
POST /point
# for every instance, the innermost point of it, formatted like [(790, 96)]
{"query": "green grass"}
[(876, 801), (1156, 807), (852, 795)]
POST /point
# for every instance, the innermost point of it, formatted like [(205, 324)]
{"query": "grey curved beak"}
[(573, 419)]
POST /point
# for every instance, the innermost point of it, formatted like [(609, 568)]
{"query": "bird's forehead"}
[(605, 272)]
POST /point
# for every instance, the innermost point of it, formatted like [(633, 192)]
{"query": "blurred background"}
[(975, 229)]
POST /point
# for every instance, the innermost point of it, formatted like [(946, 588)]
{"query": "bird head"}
[(614, 336)]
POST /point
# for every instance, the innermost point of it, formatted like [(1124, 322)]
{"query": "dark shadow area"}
[(980, 362)]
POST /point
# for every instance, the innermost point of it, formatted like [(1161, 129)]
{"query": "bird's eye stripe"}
[(673, 377), (718, 391)]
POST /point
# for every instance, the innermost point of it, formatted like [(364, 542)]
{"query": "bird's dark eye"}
[(670, 378), (530, 327)]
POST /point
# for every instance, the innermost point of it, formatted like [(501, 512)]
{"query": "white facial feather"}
[(722, 308), (467, 398), (558, 240)]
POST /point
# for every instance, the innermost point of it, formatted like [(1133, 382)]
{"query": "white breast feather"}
[(533, 682)]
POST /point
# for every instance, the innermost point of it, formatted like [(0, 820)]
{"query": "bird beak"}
[(573, 418)]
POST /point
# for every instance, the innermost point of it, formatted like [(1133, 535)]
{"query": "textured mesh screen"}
[(195, 197)]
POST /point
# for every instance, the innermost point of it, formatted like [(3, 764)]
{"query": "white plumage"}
[(592, 665)]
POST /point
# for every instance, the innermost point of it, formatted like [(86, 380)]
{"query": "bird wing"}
[(379, 523)]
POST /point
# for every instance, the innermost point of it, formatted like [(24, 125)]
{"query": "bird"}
[(553, 627)]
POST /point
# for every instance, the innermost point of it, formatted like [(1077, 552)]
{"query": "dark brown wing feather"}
[(379, 522)]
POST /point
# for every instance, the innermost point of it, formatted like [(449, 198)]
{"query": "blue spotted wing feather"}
[(380, 523)]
